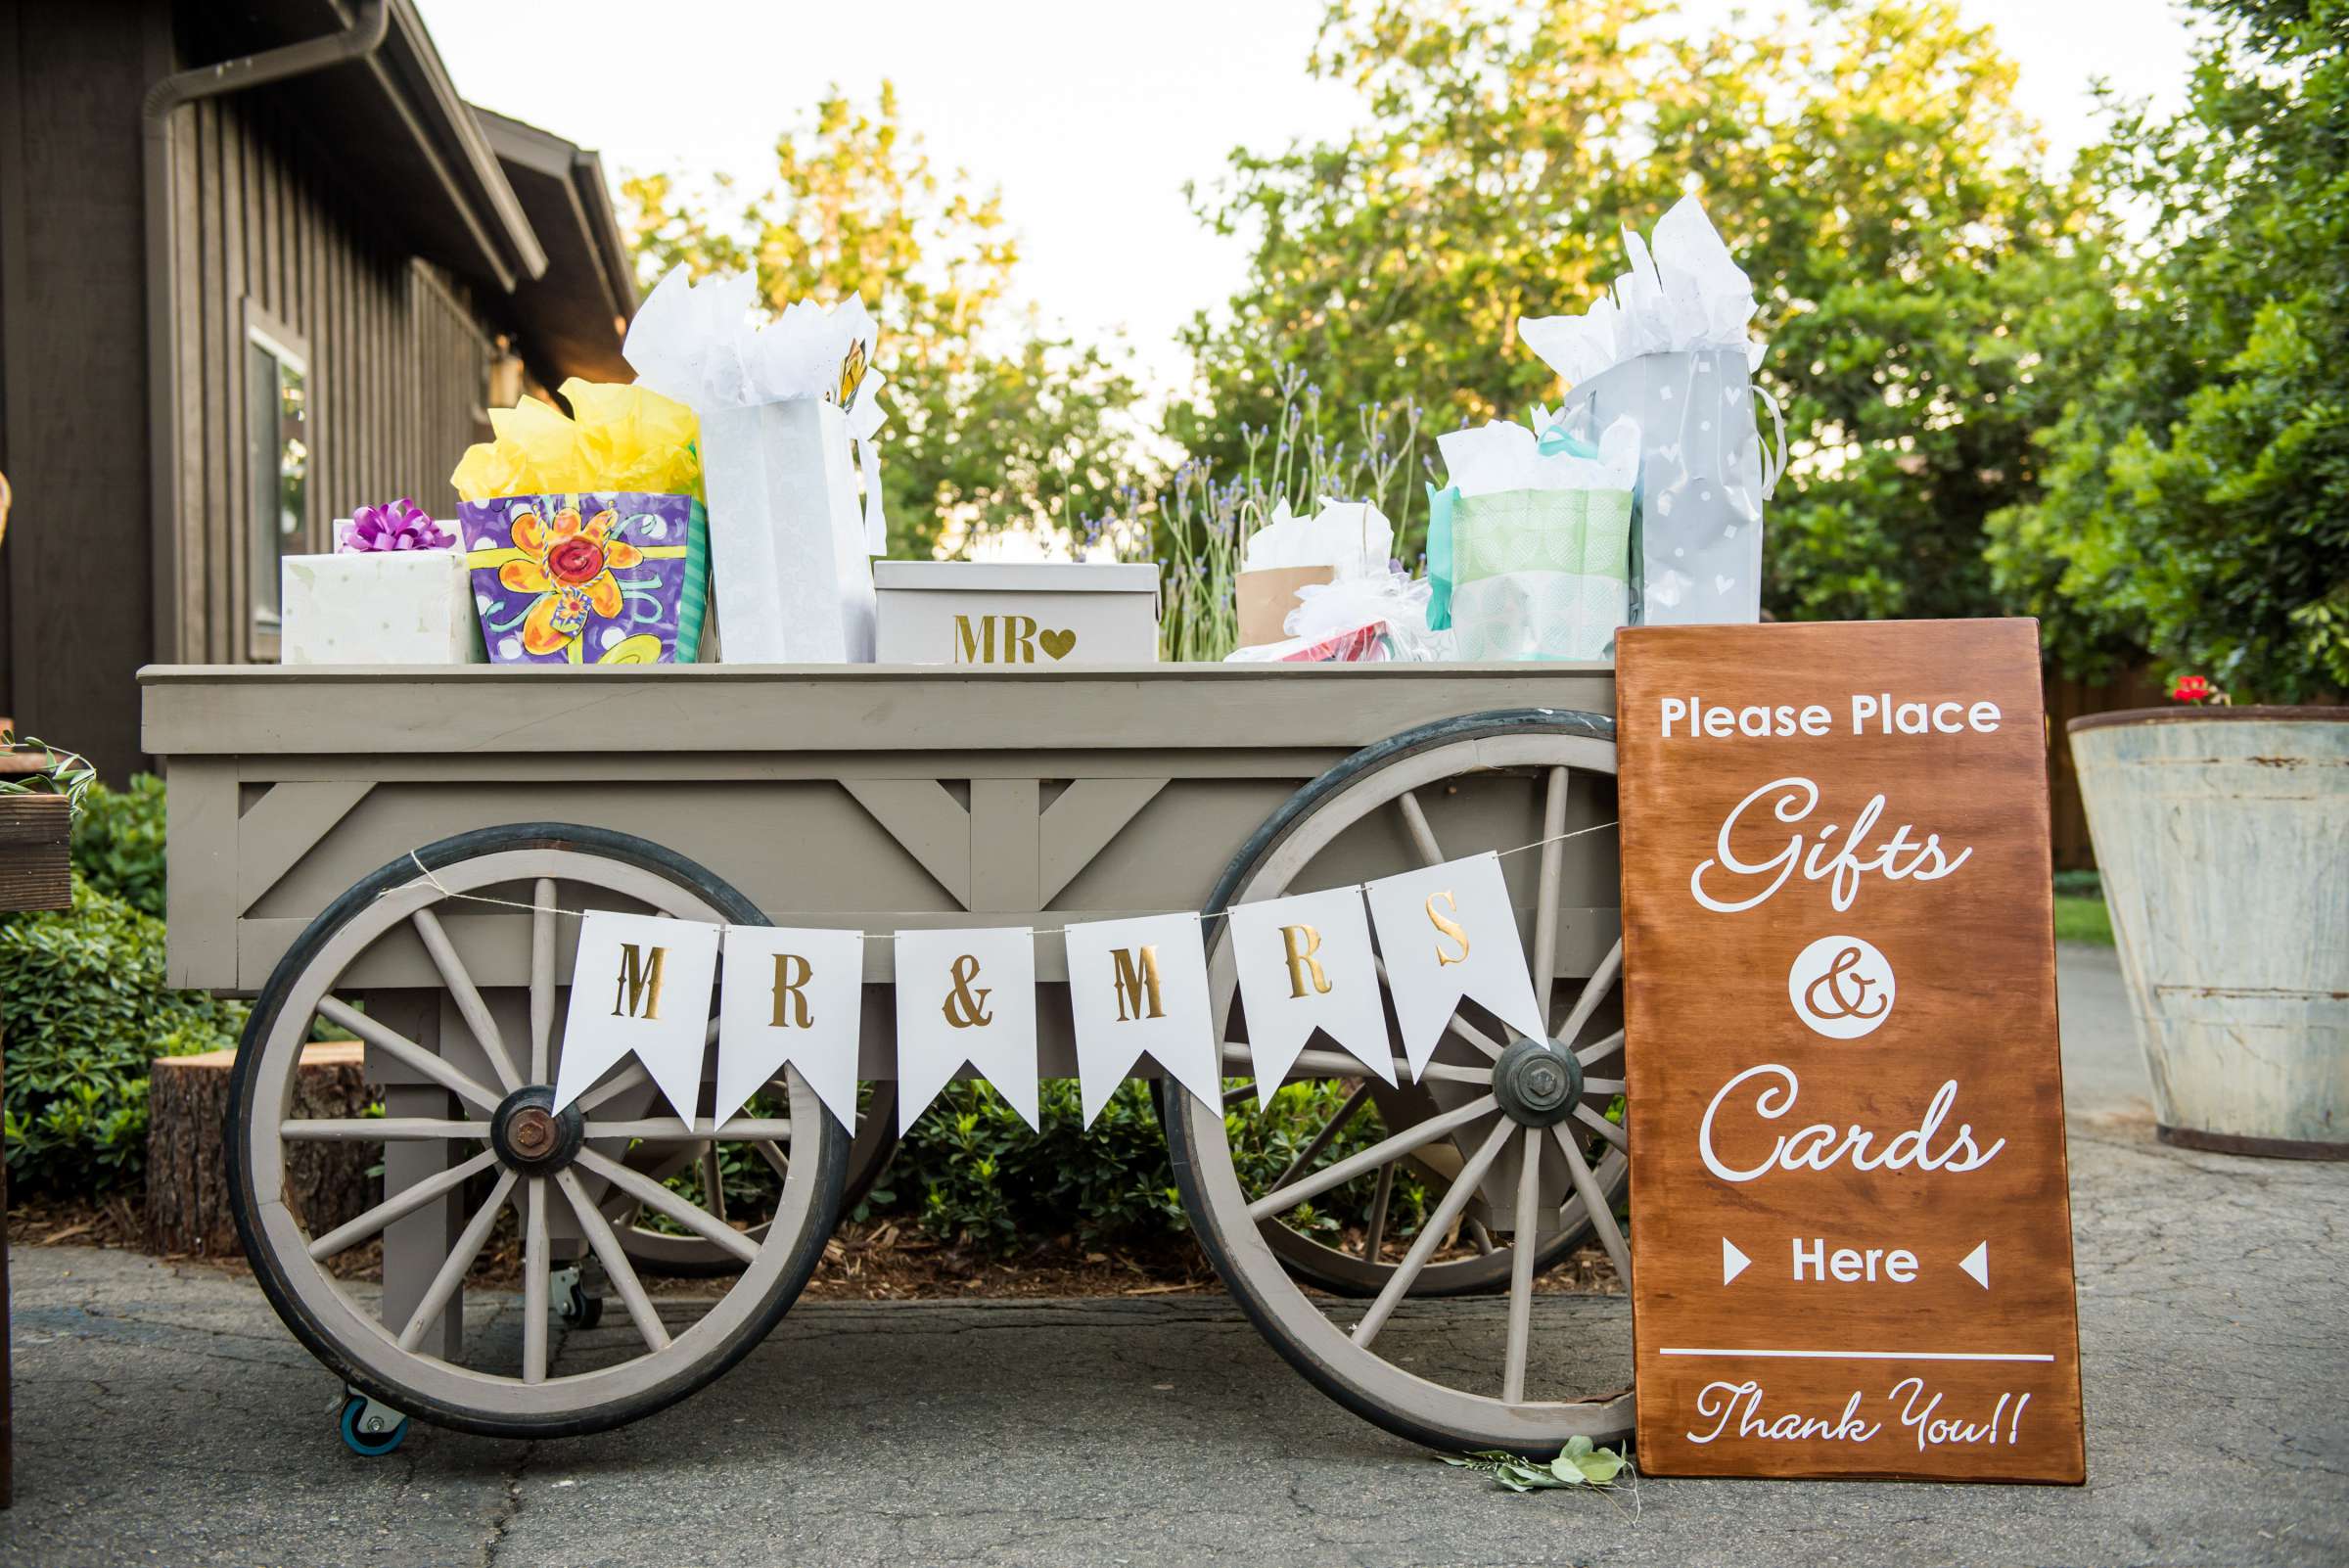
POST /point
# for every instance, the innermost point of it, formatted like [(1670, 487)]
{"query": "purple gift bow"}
[(400, 526)]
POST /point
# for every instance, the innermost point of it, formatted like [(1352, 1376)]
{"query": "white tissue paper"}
[(1683, 292), (1373, 618), (1503, 455), (790, 411), (1354, 539)]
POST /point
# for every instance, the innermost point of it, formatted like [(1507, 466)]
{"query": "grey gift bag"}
[(1696, 535)]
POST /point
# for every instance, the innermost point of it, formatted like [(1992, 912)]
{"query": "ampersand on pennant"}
[(966, 1007)]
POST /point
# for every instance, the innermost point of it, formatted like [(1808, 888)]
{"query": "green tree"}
[(2198, 497), (995, 423), (1865, 164)]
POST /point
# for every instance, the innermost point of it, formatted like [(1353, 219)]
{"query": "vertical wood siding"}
[(399, 361)]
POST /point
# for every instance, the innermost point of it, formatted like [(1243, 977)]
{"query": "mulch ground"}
[(882, 1261)]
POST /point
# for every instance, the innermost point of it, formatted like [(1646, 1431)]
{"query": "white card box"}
[(378, 606), (1044, 614)]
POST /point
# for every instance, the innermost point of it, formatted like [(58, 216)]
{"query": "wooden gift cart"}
[(339, 838)]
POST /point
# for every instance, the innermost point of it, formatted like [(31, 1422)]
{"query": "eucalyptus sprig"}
[(1579, 1465), (60, 772)]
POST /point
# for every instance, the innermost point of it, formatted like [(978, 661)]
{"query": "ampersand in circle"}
[(966, 1006), (1841, 986)]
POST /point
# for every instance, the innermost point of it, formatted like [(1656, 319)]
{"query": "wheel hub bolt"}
[(532, 1136), (1537, 1083)]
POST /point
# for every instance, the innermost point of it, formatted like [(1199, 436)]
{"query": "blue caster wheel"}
[(367, 1427)]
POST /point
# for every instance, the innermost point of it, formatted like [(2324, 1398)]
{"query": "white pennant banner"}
[(965, 995), (639, 983), (1447, 934), (1138, 986), (1305, 963), (794, 998)]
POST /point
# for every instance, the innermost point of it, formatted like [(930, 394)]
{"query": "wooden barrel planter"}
[(2223, 836)]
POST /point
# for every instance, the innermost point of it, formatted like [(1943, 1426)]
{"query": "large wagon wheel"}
[(1524, 1136), (557, 1173), (665, 1249)]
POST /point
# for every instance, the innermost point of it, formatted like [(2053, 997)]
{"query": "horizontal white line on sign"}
[(1864, 1356)]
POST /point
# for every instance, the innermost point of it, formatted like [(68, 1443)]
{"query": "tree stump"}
[(186, 1160)]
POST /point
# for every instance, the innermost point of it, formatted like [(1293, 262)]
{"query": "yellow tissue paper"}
[(625, 439)]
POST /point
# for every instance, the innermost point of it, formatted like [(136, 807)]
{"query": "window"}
[(277, 436)]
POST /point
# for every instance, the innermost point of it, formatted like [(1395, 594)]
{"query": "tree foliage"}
[(2197, 494), (993, 422), (1868, 166)]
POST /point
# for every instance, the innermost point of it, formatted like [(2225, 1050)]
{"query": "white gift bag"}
[(790, 568)]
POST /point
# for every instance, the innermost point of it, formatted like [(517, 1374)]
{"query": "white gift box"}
[(790, 570), (377, 607), (1047, 613)]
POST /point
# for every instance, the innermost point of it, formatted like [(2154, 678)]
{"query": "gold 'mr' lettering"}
[(1449, 928), (1301, 942), (1019, 639), (638, 995), (791, 999), (1136, 984), (975, 645)]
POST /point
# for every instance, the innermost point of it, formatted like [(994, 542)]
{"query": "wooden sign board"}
[(1852, 1228)]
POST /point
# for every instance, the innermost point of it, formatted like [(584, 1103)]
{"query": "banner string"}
[(446, 892)]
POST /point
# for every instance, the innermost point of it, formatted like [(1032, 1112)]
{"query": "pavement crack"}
[(509, 1509)]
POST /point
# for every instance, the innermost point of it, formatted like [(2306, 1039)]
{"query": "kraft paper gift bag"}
[(1670, 348)]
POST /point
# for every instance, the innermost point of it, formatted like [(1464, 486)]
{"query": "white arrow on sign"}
[(1733, 1262), (1977, 1264)]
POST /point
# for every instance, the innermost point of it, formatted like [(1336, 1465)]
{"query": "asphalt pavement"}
[(164, 1416)]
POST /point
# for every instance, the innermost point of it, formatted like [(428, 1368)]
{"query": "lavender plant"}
[(1198, 524)]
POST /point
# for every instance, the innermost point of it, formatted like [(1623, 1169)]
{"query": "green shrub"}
[(971, 1171), (119, 843), (86, 1009)]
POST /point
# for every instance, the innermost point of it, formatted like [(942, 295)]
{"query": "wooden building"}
[(259, 265)]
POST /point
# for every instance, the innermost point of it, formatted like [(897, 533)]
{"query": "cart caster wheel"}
[(371, 1430), (579, 1310)]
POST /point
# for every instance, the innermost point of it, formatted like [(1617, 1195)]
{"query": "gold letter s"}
[(1449, 928)]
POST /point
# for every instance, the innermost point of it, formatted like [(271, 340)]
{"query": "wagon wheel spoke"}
[(1423, 1247), (453, 1267), (1544, 964), (1376, 1233), (377, 1129), (674, 1129), (1335, 1064), (537, 1271), (1596, 1204), (773, 1153), (1330, 1129), (1423, 837), (408, 1053), (468, 997), (542, 979), (345, 1237), (1233, 1096), (1281, 1199), (713, 1182), (1594, 992), (653, 1195), (632, 1076), (608, 1251), (1600, 1049), (1474, 1229), (1603, 1128), (1528, 1242)]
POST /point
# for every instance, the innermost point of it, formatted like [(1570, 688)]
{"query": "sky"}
[(1090, 114)]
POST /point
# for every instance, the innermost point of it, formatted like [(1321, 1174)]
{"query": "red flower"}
[(2190, 689)]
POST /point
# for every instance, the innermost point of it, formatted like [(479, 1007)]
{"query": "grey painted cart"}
[(303, 802)]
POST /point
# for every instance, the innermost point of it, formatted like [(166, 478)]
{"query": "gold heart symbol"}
[(1057, 643)]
